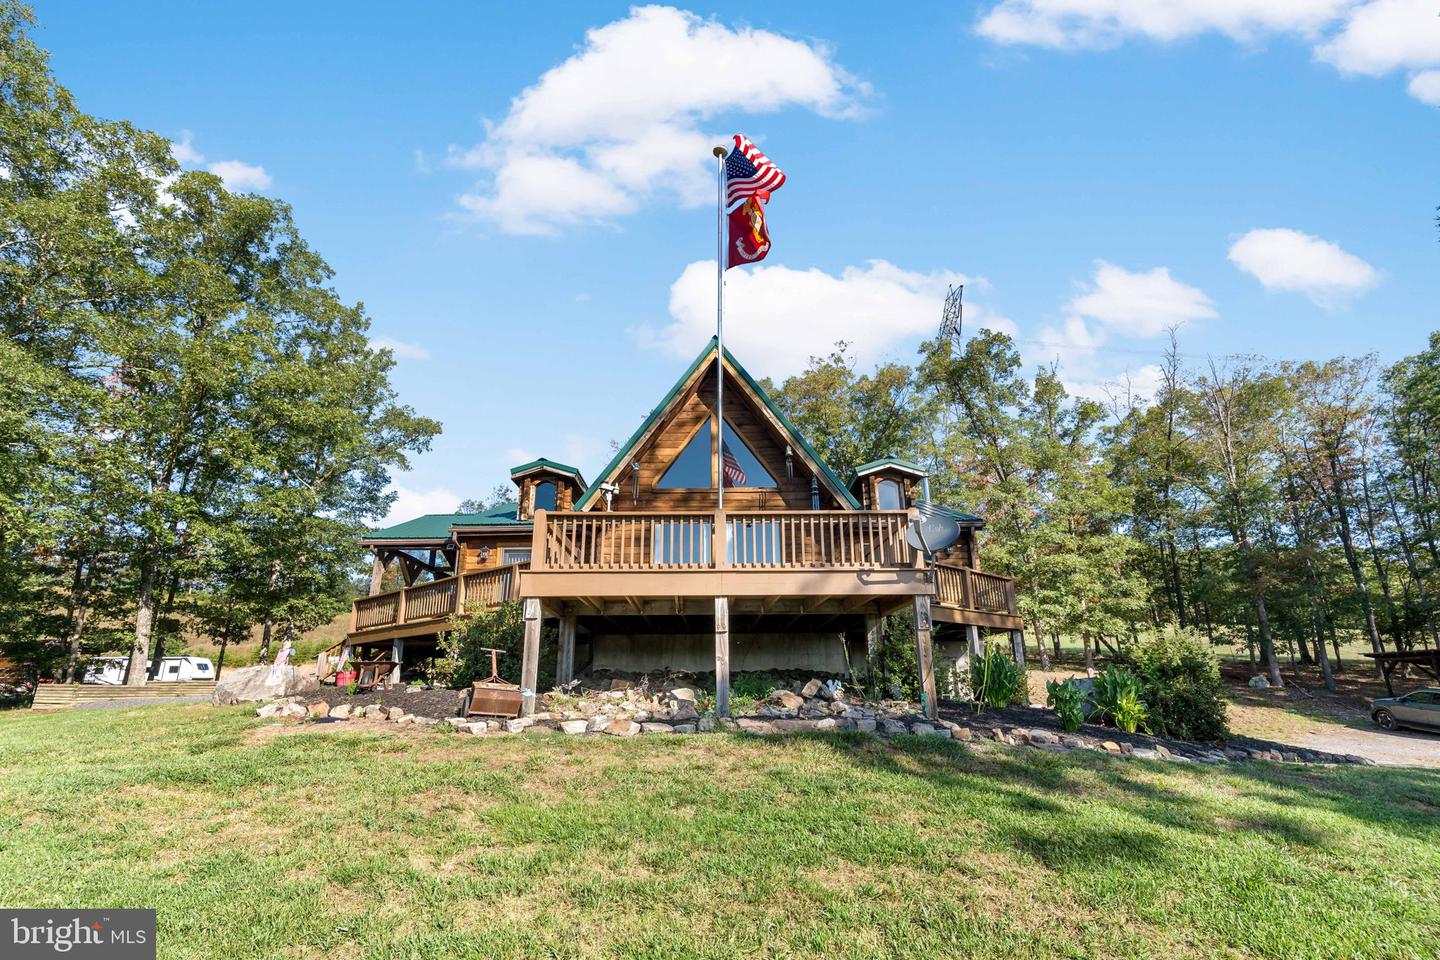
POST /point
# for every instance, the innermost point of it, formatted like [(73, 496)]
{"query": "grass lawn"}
[(259, 841)]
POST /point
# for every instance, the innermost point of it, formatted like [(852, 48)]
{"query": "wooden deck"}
[(652, 563), (425, 607)]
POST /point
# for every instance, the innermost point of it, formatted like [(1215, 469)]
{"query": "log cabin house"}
[(642, 572)]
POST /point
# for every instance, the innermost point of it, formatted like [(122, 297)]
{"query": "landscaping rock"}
[(574, 726), (269, 710), (519, 724), (341, 712), (684, 713), (705, 724), (923, 729), (787, 700), (253, 684), (319, 709), (865, 725), (1110, 746), (891, 728), (962, 733), (656, 728), (811, 689), (622, 728), (827, 724), (754, 726), (684, 728), (393, 713), (294, 711), (1043, 738), (684, 694)]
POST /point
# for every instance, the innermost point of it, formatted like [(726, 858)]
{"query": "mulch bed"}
[(439, 704)]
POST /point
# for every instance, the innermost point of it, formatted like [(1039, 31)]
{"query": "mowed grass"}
[(253, 840)]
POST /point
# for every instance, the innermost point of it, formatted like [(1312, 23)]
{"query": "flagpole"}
[(720, 153)]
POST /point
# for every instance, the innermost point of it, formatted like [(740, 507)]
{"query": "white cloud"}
[(1284, 259), (1140, 304), (236, 175), (411, 503), (1386, 35), (400, 348), (514, 456), (1425, 87), (239, 177), (1374, 37), (776, 318), (620, 120), (1104, 23)]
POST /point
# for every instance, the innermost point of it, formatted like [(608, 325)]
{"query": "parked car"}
[(1420, 709), (111, 670)]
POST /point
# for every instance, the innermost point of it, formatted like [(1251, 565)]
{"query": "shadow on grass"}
[(1403, 801)]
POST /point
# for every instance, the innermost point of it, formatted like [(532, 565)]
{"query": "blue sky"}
[(522, 194)]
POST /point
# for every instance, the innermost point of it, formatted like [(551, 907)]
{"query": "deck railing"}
[(438, 599), (766, 540), (970, 589)]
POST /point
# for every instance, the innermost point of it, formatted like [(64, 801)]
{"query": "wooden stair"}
[(59, 696)]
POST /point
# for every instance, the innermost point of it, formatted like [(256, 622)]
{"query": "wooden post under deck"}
[(397, 653), (972, 640), (530, 658), (377, 574), (874, 637), (722, 656), (1017, 645), (565, 659), (925, 656)]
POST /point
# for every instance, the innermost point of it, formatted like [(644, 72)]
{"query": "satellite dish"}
[(932, 532)]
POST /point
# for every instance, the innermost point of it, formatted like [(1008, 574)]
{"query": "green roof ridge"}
[(549, 464)]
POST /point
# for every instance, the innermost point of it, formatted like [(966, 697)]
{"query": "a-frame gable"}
[(749, 411)]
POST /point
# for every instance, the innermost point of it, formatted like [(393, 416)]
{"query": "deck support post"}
[(565, 659), (530, 658), (925, 656), (397, 653), (1017, 645), (722, 656), (972, 640), (874, 638), (377, 574)]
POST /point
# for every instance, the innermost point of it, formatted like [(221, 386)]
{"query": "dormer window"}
[(544, 496), (546, 485), (889, 496)]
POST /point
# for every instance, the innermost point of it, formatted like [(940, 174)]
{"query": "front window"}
[(739, 465), (690, 470), (682, 543), (544, 496), (515, 555), (888, 495)]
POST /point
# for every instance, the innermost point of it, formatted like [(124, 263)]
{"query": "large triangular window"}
[(739, 465), (691, 469)]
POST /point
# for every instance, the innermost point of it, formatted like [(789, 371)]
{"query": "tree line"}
[(193, 426), (1282, 508)]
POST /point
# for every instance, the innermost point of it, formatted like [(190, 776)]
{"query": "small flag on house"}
[(730, 468), (749, 237), (749, 173)]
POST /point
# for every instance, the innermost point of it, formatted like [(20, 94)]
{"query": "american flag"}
[(749, 173), (730, 468)]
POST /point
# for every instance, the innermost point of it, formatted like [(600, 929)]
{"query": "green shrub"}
[(995, 678), (1068, 701), (1182, 685), (1118, 698), (460, 654)]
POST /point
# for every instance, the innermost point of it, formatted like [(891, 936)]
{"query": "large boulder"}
[(252, 684)]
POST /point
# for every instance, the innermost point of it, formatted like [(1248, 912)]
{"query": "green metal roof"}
[(543, 464), (628, 449), (900, 462), (436, 526)]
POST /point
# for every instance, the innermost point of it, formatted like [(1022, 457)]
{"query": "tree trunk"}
[(79, 613), (1413, 569), (144, 624), (1267, 642), (1089, 652), (1040, 647)]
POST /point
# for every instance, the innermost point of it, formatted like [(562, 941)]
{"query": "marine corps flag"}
[(749, 239)]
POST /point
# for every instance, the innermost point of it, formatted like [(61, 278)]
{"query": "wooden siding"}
[(696, 412), (471, 544), (566, 492)]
